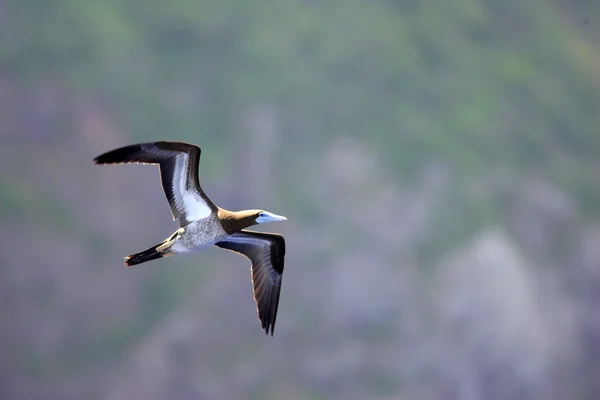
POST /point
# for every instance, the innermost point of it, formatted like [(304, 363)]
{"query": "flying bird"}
[(203, 224)]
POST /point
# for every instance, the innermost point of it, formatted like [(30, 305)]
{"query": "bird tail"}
[(155, 252)]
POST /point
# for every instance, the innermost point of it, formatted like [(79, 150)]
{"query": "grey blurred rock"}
[(504, 330)]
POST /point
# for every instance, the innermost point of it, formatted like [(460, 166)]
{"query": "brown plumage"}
[(203, 224)]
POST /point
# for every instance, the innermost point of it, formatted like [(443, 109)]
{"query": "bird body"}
[(203, 224), (195, 236)]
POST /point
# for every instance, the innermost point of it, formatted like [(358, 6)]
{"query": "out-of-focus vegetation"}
[(492, 88), (445, 119)]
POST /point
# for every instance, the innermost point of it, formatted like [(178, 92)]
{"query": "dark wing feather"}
[(266, 251), (178, 164)]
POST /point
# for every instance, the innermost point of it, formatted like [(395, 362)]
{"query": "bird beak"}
[(266, 216)]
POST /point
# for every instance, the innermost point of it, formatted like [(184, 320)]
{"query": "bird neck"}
[(235, 221)]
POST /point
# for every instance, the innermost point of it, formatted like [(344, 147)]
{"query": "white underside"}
[(190, 203), (195, 208)]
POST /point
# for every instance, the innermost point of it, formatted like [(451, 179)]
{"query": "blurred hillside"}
[(437, 161)]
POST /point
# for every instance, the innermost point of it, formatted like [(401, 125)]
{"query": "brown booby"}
[(203, 224)]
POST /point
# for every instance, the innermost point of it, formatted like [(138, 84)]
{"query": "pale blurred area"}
[(438, 161)]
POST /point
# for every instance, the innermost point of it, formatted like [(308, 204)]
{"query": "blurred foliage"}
[(511, 83), (493, 89), (513, 86)]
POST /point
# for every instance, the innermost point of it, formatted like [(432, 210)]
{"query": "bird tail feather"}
[(155, 252)]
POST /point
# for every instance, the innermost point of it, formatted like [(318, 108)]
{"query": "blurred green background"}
[(439, 163)]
